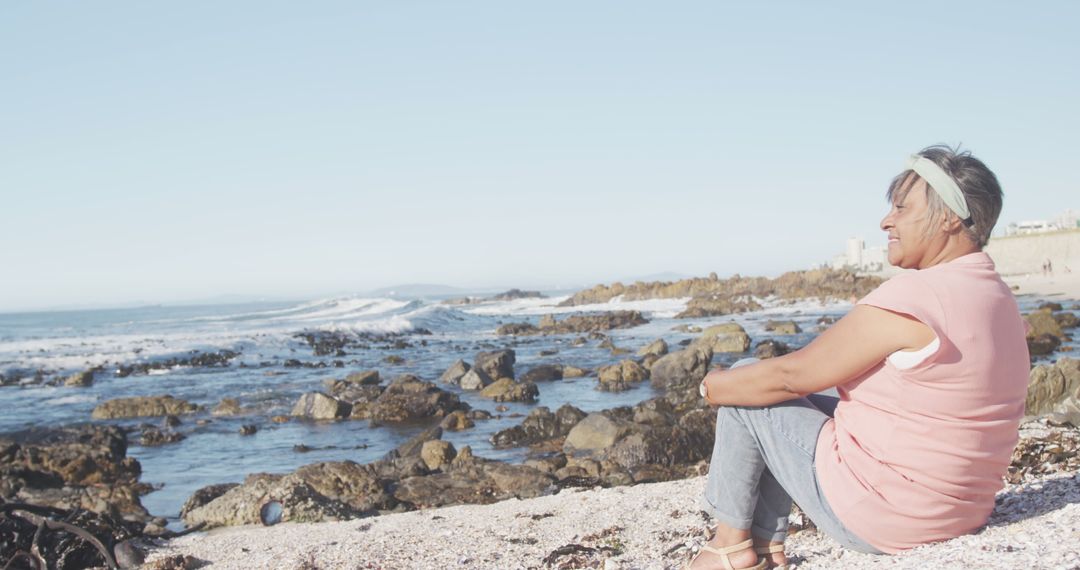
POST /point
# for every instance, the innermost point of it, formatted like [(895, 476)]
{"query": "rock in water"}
[(80, 379), (142, 406), (497, 364), (728, 337), (656, 348), (683, 369), (319, 406), (782, 327), (618, 377), (507, 390), (437, 453), (456, 371), (475, 379)]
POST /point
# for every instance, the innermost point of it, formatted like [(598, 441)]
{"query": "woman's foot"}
[(775, 558), (716, 550)]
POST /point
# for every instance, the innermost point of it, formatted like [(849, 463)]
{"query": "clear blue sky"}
[(163, 152)]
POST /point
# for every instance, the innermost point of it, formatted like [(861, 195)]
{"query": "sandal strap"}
[(729, 549), (771, 549)]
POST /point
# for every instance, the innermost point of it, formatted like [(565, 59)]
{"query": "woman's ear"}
[(951, 223)]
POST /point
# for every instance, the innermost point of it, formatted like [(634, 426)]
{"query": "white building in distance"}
[(1069, 220), (858, 257)]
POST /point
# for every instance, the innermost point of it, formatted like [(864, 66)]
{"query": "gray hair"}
[(979, 185)]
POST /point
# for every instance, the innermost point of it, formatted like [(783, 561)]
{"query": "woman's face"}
[(911, 245)]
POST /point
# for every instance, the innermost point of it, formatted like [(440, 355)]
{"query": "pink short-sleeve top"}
[(916, 455)]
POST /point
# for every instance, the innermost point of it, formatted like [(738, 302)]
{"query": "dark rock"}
[(1067, 320), (507, 390), (1043, 344), (205, 495), (782, 327), (717, 305), (540, 425), (455, 372), (618, 377), (576, 324), (82, 467), (514, 294), (497, 364), (683, 369), (475, 379), (142, 406), (406, 398), (81, 379), (248, 429), (364, 378), (543, 373), (319, 406), (656, 348), (1050, 306), (770, 349), (152, 436), (227, 407)]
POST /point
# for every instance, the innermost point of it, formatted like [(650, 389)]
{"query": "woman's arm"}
[(857, 342)]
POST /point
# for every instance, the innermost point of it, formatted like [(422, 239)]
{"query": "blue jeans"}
[(763, 458)]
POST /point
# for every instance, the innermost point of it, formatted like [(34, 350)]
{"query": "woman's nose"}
[(886, 222)]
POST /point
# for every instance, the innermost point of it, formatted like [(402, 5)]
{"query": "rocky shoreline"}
[(667, 438)]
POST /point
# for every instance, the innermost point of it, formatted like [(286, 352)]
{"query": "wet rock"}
[(142, 406), (656, 348), (540, 425), (782, 327), (1050, 306), (416, 444), (353, 392), (81, 379), (576, 324), (84, 467), (394, 359), (507, 390), (437, 453), (457, 421), (1055, 389), (314, 493), (455, 372), (770, 349), (618, 377), (204, 496), (1043, 344), (727, 337), (319, 406), (595, 432), (717, 305), (364, 378), (248, 429), (683, 369), (476, 481), (496, 364), (152, 436), (1067, 320), (573, 371), (475, 379), (219, 359), (1042, 322), (407, 398), (543, 373), (514, 294), (227, 407)]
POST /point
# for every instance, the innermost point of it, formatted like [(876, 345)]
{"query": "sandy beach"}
[(1036, 524), (1061, 286)]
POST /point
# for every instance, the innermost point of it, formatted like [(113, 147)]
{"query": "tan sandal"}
[(723, 552), (768, 550)]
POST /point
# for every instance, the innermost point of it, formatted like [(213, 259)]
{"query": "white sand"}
[(1037, 525), (1058, 287)]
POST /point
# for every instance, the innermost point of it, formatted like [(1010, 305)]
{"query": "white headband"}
[(943, 184)]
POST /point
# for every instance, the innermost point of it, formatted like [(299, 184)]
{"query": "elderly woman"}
[(931, 369)]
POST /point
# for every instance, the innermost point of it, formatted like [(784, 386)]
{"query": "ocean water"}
[(264, 335)]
